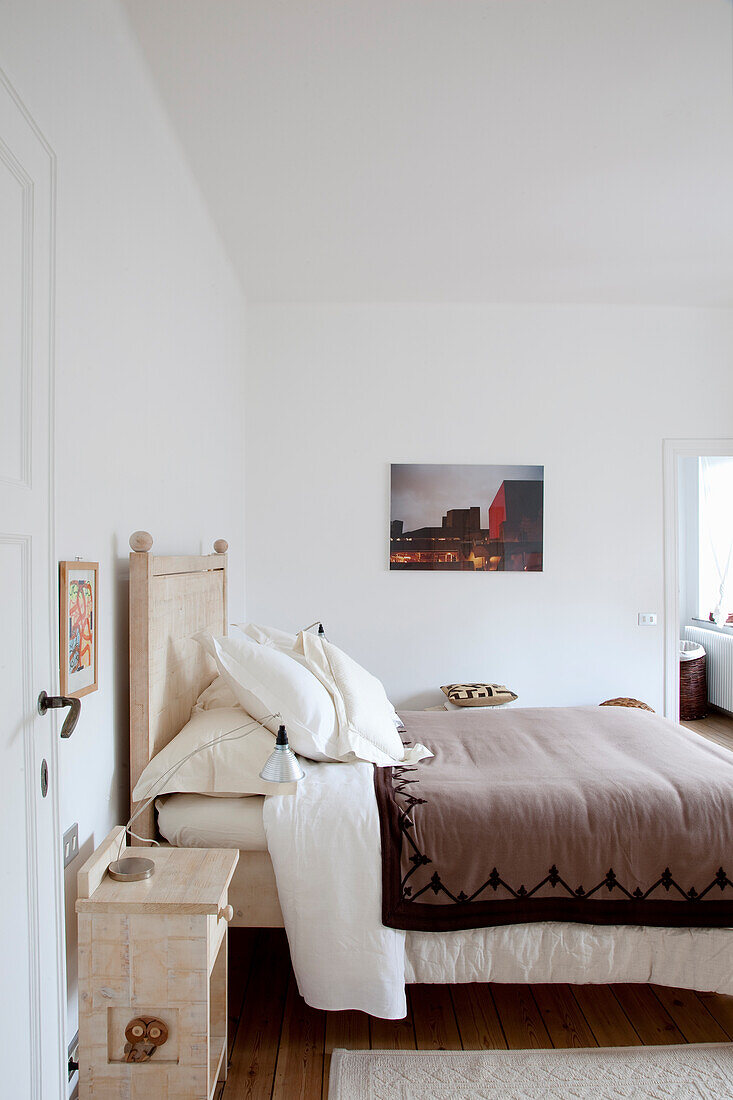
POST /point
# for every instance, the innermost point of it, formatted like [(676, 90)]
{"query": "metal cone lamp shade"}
[(282, 765)]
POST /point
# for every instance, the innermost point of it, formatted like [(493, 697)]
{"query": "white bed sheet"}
[(200, 821), (325, 847)]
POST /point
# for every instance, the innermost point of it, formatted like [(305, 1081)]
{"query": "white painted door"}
[(31, 1002)]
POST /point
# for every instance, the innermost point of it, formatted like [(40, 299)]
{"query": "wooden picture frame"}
[(78, 627)]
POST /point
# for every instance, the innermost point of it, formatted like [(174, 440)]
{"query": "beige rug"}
[(703, 1072)]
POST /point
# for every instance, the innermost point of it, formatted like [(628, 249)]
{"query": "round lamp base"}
[(131, 869)]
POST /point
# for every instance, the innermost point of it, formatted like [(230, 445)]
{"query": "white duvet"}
[(325, 847)]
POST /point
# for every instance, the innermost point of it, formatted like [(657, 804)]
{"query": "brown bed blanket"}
[(600, 815)]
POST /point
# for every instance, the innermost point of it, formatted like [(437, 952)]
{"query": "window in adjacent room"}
[(715, 597)]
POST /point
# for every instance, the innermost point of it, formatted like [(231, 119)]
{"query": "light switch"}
[(647, 618)]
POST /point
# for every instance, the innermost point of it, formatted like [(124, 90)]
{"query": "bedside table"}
[(153, 975)]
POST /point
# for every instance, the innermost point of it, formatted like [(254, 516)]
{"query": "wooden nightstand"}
[(154, 953)]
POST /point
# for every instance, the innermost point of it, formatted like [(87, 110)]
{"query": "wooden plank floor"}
[(280, 1048), (716, 727)]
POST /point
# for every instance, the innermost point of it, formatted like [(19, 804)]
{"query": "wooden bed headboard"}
[(171, 599)]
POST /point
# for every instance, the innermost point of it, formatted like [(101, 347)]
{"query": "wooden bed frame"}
[(171, 599)]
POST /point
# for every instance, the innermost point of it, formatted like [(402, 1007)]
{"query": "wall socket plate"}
[(71, 844), (647, 618)]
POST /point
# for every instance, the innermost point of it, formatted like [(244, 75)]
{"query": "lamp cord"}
[(163, 779)]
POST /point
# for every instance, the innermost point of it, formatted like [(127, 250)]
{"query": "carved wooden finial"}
[(141, 541), (221, 546)]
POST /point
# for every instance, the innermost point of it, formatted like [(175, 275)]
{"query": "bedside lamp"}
[(280, 767)]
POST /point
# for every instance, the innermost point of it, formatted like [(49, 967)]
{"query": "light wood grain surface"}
[(186, 880), (155, 948), (93, 871), (717, 727), (171, 600)]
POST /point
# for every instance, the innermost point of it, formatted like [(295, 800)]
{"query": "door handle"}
[(55, 702)]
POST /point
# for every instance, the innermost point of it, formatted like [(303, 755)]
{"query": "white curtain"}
[(716, 537)]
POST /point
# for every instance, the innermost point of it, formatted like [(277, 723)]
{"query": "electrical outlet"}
[(647, 618), (71, 844)]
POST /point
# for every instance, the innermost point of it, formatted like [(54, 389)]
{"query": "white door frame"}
[(674, 449), (49, 1071)]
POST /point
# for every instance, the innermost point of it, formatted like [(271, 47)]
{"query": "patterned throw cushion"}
[(478, 695)]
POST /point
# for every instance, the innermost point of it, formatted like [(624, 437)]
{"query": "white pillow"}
[(268, 635), (229, 767), (278, 639), (267, 681), (288, 643), (217, 694), (366, 726)]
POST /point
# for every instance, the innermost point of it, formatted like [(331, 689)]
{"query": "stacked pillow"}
[(334, 710), (275, 689), (365, 717), (217, 694), (270, 635), (288, 643), (233, 750)]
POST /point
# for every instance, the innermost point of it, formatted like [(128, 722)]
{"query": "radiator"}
[(719, 648)]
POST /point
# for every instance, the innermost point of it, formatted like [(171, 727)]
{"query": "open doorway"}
[(698, 476)]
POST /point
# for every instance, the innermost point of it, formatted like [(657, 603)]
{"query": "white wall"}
[(336, 393), (149, 355)]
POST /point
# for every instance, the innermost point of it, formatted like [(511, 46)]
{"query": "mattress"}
[(203, 821)]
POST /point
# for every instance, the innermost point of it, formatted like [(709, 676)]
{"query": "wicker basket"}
[(624, 701), (693, 689)]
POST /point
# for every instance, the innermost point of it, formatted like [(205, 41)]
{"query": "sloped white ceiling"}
[(458, 150)]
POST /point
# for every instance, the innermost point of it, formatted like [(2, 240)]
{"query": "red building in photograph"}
[(512, 541)]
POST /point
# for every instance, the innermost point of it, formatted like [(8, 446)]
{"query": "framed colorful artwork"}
[(79, 627)]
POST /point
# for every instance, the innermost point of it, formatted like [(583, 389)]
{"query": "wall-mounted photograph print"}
[(78, 627), (471, 518)]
